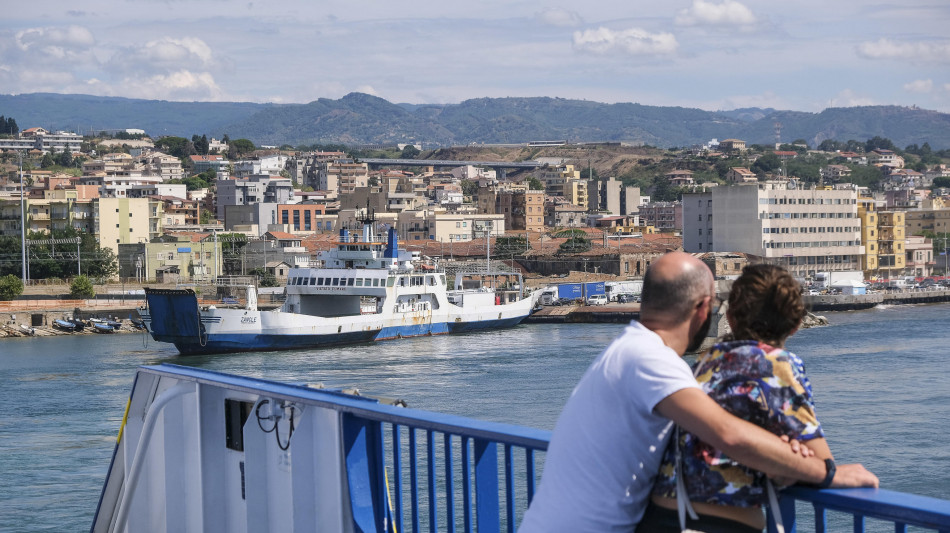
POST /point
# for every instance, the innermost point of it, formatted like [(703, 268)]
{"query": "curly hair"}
[(765, 304)]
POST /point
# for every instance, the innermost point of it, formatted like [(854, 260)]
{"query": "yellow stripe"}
[(125, 417)]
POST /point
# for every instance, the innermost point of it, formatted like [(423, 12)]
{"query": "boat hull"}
[(174, 316)]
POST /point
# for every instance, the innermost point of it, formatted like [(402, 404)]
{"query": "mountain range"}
[(364, 119)]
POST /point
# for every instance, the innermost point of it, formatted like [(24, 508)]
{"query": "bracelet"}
[(829, 475)]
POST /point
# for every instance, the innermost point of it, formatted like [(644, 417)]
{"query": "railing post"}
[(363, 449), (787, 509), (486, 487)]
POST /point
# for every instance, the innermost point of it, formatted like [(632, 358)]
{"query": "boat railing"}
[(414, 470)]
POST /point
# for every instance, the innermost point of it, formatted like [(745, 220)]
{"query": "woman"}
[(755, 379)]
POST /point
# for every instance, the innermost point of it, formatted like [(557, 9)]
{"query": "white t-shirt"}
[(607, 445)]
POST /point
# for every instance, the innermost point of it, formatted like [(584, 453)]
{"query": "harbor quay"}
[(40, 311)]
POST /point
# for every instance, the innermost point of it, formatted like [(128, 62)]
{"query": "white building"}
[(806, 231)]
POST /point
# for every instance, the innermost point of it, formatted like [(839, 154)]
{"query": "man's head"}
[(678, 292)]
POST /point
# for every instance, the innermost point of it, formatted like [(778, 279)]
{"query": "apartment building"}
[(612, 196), (522, 208), (565, 181), (123, 221), (665, 216), (255, 189), (341, 176), (933, 220), (805, 230)]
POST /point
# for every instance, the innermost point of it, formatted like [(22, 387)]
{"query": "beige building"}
[(807, 231), (126, 220), (934, 220), (566, 182), (920, 256), (741, 175), (177, 258)]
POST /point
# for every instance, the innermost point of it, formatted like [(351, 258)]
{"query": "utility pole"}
[(22, 218)]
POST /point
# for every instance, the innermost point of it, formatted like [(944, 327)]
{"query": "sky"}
[(803, 55)]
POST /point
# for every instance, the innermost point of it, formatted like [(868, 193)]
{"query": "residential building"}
[(301, 217), (835, 173), (218, 163), (665, 216), (920, 256), (805, 230), (566, 182), (613, 197), (933, 220), (885, 158), (891, 259), (868, 214), (741, 175), (172, 258), (255, 189), (122, 221), (269, 165), (679, 178), (732, 145), (340, 175), (560, 213)]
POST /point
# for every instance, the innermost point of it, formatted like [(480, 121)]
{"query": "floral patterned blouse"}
[(764, 385)]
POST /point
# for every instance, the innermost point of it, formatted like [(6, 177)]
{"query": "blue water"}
[(878, 377)]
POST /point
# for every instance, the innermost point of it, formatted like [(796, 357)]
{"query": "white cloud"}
[(560, 17), (182, 85), (68, 44), (923, 51), (728, 13), (633, 41), (919, 86), (170, 51)]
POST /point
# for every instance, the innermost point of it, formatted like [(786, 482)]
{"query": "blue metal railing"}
[(462, 474)]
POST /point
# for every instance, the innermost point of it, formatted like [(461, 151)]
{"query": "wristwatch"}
[(829, 474)]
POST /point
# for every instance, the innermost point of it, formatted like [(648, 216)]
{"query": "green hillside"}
[(363, 119)]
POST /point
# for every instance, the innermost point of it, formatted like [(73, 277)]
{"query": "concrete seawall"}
[(622, 313)]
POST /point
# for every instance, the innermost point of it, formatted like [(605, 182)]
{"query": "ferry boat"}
[(366, 290)]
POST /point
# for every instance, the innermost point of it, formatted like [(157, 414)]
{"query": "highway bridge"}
[(527, 165)]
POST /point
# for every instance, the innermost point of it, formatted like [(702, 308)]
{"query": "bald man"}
[(608, 442)]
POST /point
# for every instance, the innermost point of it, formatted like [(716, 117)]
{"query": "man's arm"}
[(751, 445)]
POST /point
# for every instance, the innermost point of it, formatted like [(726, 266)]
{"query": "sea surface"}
[(880, 380)]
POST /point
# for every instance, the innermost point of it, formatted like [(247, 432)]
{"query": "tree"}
[(10, 287), (81, 288), (202, 144), (879, 142), (535, 184), (409, 152), (239, 147), (577, 243), (510, 246), (47, 161), (767, 163), (469, 187), (175, 146), (266, 279)]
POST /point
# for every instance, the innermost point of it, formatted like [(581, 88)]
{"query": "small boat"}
[(105, 321), (137, 323), (100, 327), (80, 325), (64, 325), (27, 330)]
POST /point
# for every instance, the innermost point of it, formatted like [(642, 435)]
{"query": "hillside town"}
[(170, 210)]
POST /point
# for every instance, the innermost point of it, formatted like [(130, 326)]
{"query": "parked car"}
[(627, 298), (597, 299)]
